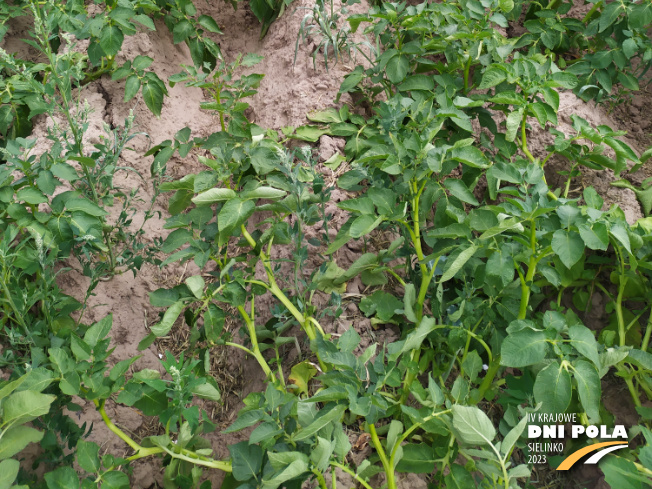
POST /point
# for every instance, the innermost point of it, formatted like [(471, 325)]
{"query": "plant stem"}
[(590, 13), (619, 310), (142, 452), (18, 316), (648, 331), (352, 474), (109, 424), (467, 69), (389, 469), (488, 381), (255, 350), (524, 139), (532, 266)]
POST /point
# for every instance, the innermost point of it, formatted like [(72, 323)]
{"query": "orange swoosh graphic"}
[(575, 456)]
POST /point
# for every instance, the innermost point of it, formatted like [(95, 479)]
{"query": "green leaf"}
[(321, 454), (245, 420), (588, 388), (132, 85), (471, 426), (565, 80), (21, 407), (583, 340), (182, 30), (629, 48), (65, 172), (501, 265), (115, 480), (417, 459), (472, 365), (16, 438), (141, 62), (153, 97), (213, 195), (294, 469), (641, 358), (207, 391), (8, 473), (31, 196), (62, 478), (568, 245), (88, 456), (622, 474), (552, 387), (640, 15), (247, 460), (397, 68), (609, 15), (309, 133), (269, 193), (85, 206), (619, 232), (409, 299), (470, 156), (233, 214), (458, 263), (174, 241), (196, 285), (326, 416), (508, 97), (111, 39), (99, 330), (363, 225), (459, 478), (523, 348), (417, 82), (512, 437), (382, 303), (416, 337), (460, 190), (169, 318), (513, 124), (595, 237), (281, 460), (214, 319), (209, 24), (265, 432), (492, 77)]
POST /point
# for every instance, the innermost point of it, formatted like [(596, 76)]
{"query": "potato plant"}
[(486, 271)]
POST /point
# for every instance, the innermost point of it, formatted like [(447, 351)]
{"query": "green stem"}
[(352, 474), (648, 331), (255, 350), (488, 381), (389, 469), (109, 424), (467, 69), (619, 310), (142, 452), (524, 139), (589, 15), (320, 479), (397, 277), (221, 112), (409, 431), (532, 266), (18, 317), (306, 323)]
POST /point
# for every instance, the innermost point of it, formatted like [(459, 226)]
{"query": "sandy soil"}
[(287, 93)]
